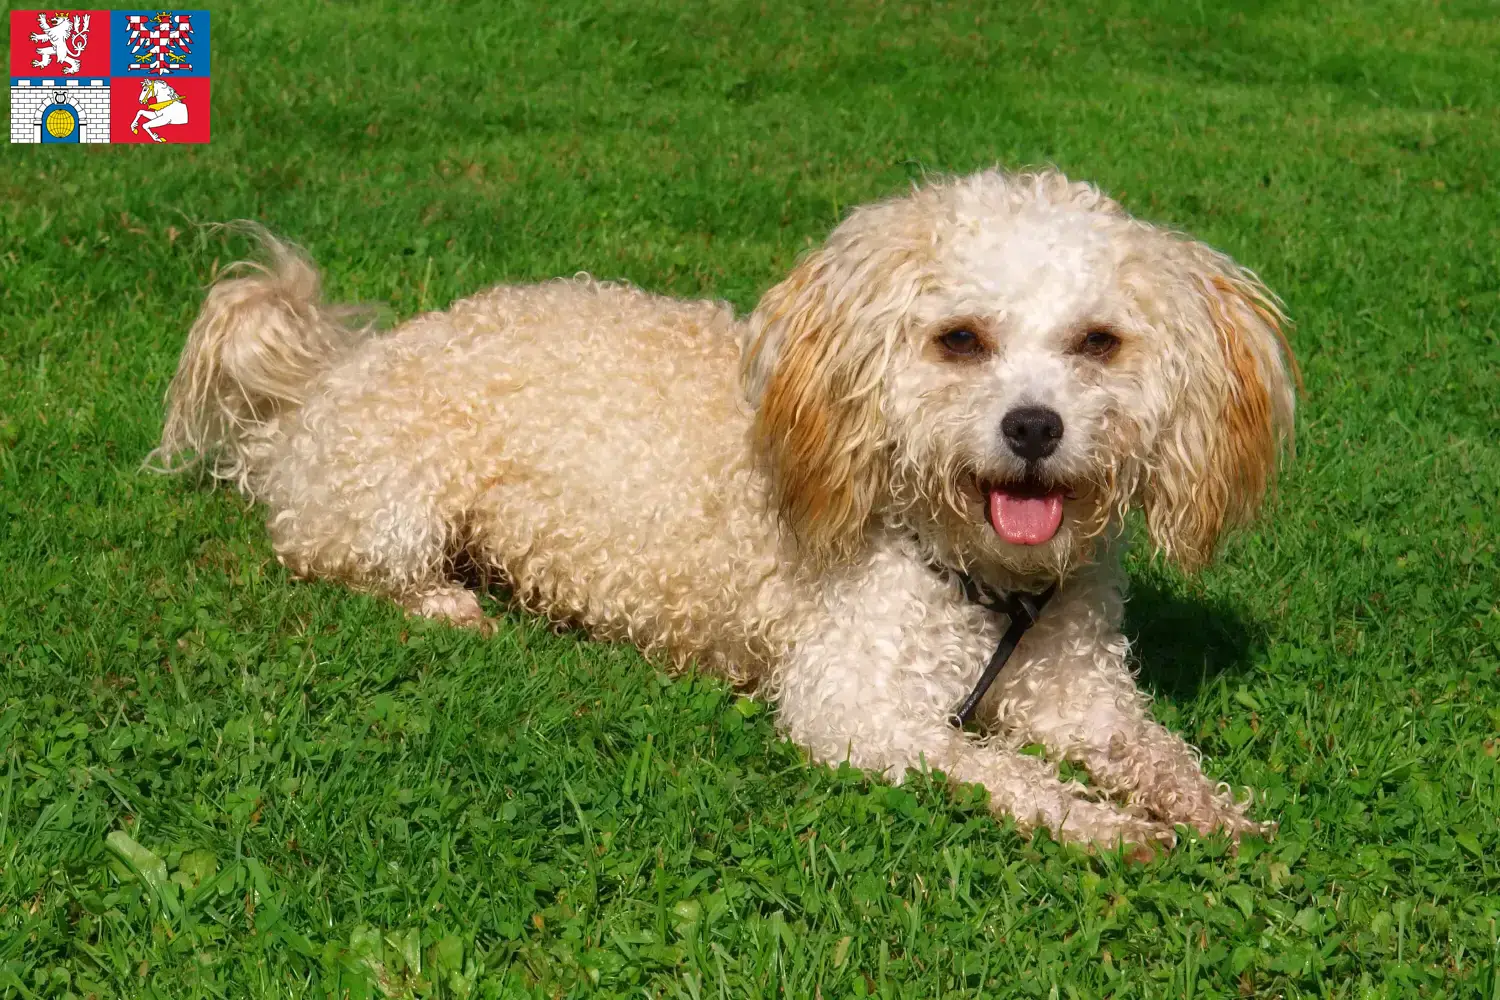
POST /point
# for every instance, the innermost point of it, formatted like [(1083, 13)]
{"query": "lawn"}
[(216, 781)]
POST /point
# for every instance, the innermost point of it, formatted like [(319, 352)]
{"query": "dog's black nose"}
[(1032, 431)]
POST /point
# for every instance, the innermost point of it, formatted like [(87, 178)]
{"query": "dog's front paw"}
[(1235, 824), (1103, 824), (1221, 813)]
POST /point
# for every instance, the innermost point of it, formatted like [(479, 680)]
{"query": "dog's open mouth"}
[(1024, 513)]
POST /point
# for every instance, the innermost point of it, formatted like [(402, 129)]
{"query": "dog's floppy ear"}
[(816, 352), (1217, 449)]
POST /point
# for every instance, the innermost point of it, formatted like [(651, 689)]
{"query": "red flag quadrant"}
[(59, 44), (159, 109)]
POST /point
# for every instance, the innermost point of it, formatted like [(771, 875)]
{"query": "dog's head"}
[(1004, 364)]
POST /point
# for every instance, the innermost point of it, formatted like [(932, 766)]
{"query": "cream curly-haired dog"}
[(977, 378)]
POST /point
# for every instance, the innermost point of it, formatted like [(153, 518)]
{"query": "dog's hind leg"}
[(401, 554), (451, 603), (360, 461), (410, 567), (382, 517)]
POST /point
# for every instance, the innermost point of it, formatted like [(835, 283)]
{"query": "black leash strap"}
[(1023, 610)]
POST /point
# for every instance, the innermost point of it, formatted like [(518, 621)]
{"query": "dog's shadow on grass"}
[(1181, 641)]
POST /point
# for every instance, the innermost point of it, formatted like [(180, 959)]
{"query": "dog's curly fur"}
[(768, 498)]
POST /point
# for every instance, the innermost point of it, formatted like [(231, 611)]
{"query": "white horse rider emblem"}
[(65, 37), (163, 106)]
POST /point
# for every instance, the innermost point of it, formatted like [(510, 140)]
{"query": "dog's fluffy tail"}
[(262, 336)]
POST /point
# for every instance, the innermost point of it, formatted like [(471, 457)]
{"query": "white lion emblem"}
[(67, 34)]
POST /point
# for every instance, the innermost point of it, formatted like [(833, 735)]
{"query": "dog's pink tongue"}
[(1023, 520)]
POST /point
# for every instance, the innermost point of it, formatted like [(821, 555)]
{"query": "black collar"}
[(1022, 608)]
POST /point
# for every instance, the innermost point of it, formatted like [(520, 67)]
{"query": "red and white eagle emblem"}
[(160, 43)]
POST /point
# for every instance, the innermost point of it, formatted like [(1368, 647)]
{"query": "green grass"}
[(320, 797)]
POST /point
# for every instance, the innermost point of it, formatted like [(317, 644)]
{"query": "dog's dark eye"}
[(962, 342), (1099, 344)]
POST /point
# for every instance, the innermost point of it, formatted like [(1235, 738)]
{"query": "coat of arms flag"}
[(109, 76)]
